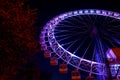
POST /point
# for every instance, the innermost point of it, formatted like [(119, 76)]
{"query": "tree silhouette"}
[(17, 32)]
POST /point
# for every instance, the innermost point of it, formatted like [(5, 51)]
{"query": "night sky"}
[(50, 8)]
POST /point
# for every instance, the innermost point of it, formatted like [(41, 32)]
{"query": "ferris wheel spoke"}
[(100, 51), (64, 30), (117, 41), (115, 32), (102, 55), (80, 45), (67, 31), (110, 21), (113, 39), (69, 26), (64, 35), (71, 44), (81, 18), (68, 22), (65, 38), (95, 19), (70, 31), (75, 19), (93, 56), (94, 52), (90, 19), (105, 20), (59, 31), (62, 25), (111, 42), (116, 36), (85, 24), (86, 50), (67, 43), (82, 21), (114, 27)]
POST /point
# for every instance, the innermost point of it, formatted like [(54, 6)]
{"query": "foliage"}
[(17, 42)]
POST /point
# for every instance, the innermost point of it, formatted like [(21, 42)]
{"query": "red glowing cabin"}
[(47, 54), (42, 41), (76, 75), (63, 68), (43, 47), (114, 55), (90, 78), (117, 52), (53, 61)]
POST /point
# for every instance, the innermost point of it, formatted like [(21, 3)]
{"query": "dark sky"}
[(50, 8)]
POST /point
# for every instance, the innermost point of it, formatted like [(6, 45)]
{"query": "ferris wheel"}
[(82, 39)]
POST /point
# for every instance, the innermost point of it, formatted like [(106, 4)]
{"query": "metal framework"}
[(52, 38)]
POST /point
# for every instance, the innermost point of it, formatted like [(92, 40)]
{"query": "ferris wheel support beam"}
[(103, 58)]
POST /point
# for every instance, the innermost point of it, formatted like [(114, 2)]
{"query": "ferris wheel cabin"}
[(113, 56)]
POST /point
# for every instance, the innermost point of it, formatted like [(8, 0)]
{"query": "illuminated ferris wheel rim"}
[(63, 16), (56, 47), (59, 18)]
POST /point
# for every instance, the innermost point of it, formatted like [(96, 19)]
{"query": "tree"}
[(17, 32)]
